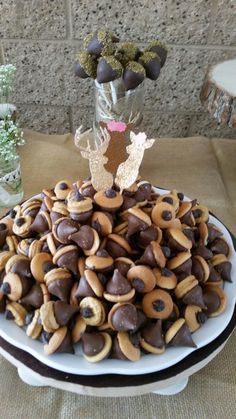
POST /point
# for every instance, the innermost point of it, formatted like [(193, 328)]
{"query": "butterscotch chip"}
[(39, 265)]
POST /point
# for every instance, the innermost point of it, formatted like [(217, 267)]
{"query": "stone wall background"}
[(41, 37)]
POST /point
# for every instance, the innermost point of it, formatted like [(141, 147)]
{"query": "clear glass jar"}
[(11, 190), (114, 103)]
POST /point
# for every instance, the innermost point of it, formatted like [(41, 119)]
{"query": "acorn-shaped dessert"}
[(20, 265), (59, 342), (108, 200), (123, 317), (179, 334), (102, 222), (15, 311), (153, 256), (34, 325), (87, 239), (99, 42), (37, 295), (108, 69), (96, 346), (67, 257), (40, 264), (63, 228), (220, 245), (118, 288), (59, 283), (189, 291), (177, 240), (200, 268), (152, 233), (124, 347), (123, 264), (157, 304), (22, 226), (59, 210), (142, 278), (200, 213), (165, 278), (133, 75), (215, 300), (79, 206), (163, 215), (15, 286), (117, 246), (185, 214), (223, 266), (152, 339), (54, 314), (138, 221), (85, 65), (89, 285), (62, 189), (152, 64), (181, 264), (159, 48), (41, 224), (101, 262), (126, 51), (92, 311), (194, 317)]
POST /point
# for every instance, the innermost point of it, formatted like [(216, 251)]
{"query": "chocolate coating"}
[(152, 64), (153, 335), (133, 75), (92, 343), (108, 69), (125, 318), (118, 284)]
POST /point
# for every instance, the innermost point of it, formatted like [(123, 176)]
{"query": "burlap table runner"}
[(199, 167)]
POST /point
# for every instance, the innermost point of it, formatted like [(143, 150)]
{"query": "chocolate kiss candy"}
[(194, 297), (108, 69), (148, 235), (92, 343), (219, 246), (65, 229), (67, 345), (133, 75), (204, 252), (211, 300), (64, 312), (116, 352), (135, 225), (153, 334), (214, 276), (183, 338), (84, 289), (84, 238), (148, 257), (34, 297), (125, 318), (60, 288), (213, 233), (69, 260), (22, 268), (118, 284), (142, 320), (3, 233), (224, 270), (39, 224), (152, 64)]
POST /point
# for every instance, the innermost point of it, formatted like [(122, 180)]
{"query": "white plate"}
[(76, 364)]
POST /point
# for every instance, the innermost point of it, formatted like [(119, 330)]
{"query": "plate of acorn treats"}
[(108, 283)]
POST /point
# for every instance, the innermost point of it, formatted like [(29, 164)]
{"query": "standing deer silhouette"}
[(128, 171), (101, 179)]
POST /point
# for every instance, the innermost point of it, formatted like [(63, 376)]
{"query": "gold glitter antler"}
[(128, 171), (101, 179)]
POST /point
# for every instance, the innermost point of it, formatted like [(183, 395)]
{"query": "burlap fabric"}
[(199, 167)]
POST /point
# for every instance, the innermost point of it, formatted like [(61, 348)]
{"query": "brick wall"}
[(42, 37)]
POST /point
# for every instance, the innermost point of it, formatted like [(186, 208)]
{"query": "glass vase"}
[(114, 104), (11, 191)]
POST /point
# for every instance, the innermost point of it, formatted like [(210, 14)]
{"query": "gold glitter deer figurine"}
[(101, 179), (128, 171)]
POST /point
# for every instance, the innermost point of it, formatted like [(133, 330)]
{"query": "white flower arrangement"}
[(10, 137), (7, 73)]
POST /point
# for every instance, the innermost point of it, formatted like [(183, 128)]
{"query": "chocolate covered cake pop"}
[(133, 75), (160, 49), (152, 64), (108, 69)]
